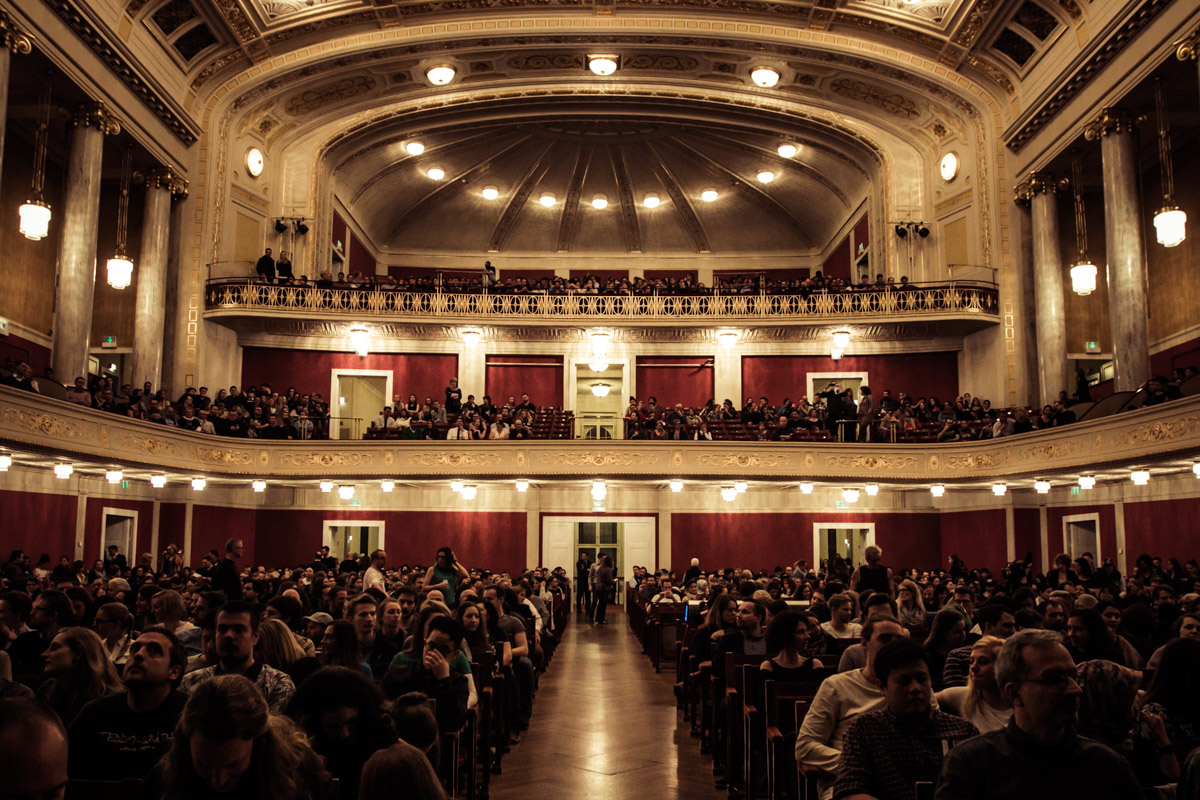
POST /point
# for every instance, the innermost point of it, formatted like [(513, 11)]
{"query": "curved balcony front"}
[(969, 302)]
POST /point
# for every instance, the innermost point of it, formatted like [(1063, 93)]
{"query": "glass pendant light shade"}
[(120, 271), (35, 219), (1083, 278), (1170, 226)]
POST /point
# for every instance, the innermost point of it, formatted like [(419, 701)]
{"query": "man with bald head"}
[(34, 744)]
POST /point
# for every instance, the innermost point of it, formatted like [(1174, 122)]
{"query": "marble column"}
[(1050, 317), (1123, 225), (77, 250), (11, 41), (152, 279)]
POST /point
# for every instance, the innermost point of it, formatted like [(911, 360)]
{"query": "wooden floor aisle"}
[(604, 725)]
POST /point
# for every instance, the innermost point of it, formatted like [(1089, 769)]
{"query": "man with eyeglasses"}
[(1038, 755)]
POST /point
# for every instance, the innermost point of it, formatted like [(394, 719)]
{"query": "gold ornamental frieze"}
[(1163, 431), (454, 459), (874, 463), (152, 445), (744, 460), (970, 462), (1049, 451), (600, 459), (46, 424), (224, 455), (309, 459)]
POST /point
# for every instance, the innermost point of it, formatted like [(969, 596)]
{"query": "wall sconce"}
[(360, 340), (471, 337)]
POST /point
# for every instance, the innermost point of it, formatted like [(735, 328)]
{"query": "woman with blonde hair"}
[(910, 607), (78, 671), (980, 702), (226, 743), (277, 647)]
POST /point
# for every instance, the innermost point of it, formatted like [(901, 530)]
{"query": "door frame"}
[(335, 375), (131, 556), (327, 526), (817, 526), (1066, 537), (825, 377)]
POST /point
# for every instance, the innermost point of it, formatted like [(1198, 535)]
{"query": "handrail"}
[(955, 297)]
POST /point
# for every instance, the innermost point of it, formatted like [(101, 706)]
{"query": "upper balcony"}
[(970, 304)]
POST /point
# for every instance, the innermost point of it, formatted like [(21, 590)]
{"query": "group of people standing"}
[(595, 581)]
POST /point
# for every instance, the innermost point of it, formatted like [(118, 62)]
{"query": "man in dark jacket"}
[(432, 675)]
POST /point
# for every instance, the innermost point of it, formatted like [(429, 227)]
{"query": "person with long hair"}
[(470, 614), (78, 671), (980, 702), (277, 647), (721, 616), (339, 647), (1186, 627), (341, 712), (1089, 639), (787, 635), (910, 606), (948, 632), (227, 744), (400, 765), (1168, 722)]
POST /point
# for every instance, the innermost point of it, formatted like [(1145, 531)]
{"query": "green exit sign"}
[(1093, 347)]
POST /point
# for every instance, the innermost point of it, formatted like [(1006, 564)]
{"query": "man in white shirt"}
[(374, 578), (459, 431), (498, 430), (385, 418), (841, 609), (666, 594)]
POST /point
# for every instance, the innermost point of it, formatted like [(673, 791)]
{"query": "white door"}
[(638, 544), (558, 543), (1081, 534), (357, 537), (847, 540), (119, 527)]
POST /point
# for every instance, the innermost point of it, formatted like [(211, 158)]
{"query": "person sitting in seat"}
[(431, 674)]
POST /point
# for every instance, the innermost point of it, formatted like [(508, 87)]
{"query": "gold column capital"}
[(96, 115), (1110, 121), (169, 179), (1188, 48), (1037, 183), (12, 38)]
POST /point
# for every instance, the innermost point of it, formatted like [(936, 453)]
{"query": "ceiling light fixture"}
[(600, 202), (764, 77), (440, 75), (740, 487), (158, 481), (35, 212), (468, 492), (850, 495), (522, 486), (676, 486), (114, 476), (1195, 468), (471, 337), (999, 489), (490, 193), (360, 340), (1083, 271), (387, 486), (603, 64), (414, 148), (345, 492), (729, 339), (5, 462), (709, 195), (547, 199), (937, 490), (836, 354), (198, 484), (1087, 482), (1140, 477), (119, 268), (728, 494), (787, 150), (436, 173), (63, 471), (456, 486), (599, 490), (806, 488), (766, 176), (598, 366), (872, 489), (1170, 223), (651, 201), (600, 341), (327, 486), (1041, 487), (841, 339), (601, 389), (258, 486)]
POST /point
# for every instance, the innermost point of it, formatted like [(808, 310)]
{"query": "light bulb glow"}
[(599, 202), (597, 366), (740, 487), (872, 489), (360, 340), (766, 176), (198, 484), (1140, 477), (599, 490), (1083, 278), (1041, 487), (729, 339), (436, 173), (522, 486), (440, 75), (327, 486), (119, 270), (651, 201), (999, 489), (1195, 467), (937, 490), (836, 354), (490, 193), (387, 486), (5, 462), (601, 389), (345, 492), (1087, 482), (764, 77), (602, 65), (414, 148), (787, 150), (468, 492), (728, 494), (456, 486), (676, 486), (806, 488), (850, 495), (471, 337), (35, 220), (113, 476), (600, 342), (709, 195), (259, 486), (158, 481), (1170, 226), (63, 471), (841, 340), (547, 199)]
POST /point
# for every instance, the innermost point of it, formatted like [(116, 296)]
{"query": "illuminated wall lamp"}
[(456, 486), (602, 64), (740, 487), (729, 339), (1041, 487), (522, 486), (806, 488), (1087, 482), (1140, 477), (468, 492), (728, 494), (63, 471), (676, 486), (599, 490), (999, 489), (471, 337), (1195, 467), (360, 340), (937, 490), (198, 484), (327, 486), (850, 495), (387, 486), (158, 481), (259, 486), (841, 339), (872, 489), (345, 492), (5, 462), (601, 389), (1170, 223), (113, 476)]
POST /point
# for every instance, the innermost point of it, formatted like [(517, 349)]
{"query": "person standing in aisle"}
[(583, 588), (605, 580)]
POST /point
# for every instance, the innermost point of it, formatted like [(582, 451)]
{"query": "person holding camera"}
[(445, 574)]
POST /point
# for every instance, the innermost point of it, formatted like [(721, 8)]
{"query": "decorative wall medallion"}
[(743, 460), (454, 459), (1158, 431), (217, 455), (326, 459), (519, 461), (934, 462), (149, 444), (972, 461)]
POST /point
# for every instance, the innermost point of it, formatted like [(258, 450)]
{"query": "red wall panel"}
[(93, 530), (426, 374), (838, 263), (979, 538), (1165, 528), (531, 275), (916, 374), (339, 232), (541, 377), (655, 274), (212, 526), (361, 260), (676, 379), (602, 274), (37, 523), (862, 233), (37, 356), (171, 521), (1108, 530), (764, 541), (1182, 355), (1027, 536)]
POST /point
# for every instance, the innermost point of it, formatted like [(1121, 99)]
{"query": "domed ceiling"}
[(579, 184)]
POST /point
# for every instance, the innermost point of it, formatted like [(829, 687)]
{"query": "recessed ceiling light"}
[(490, 193), (651, 201), (764, 77), (787, 150), (547, 199), (602, 64), (437, 173), (709, 195), (599, 202), (414, 148), (440, 75), (766, 176)]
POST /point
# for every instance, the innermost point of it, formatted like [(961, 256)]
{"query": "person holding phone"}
[(445, 574)]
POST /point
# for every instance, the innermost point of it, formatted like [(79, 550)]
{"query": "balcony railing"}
[(932, 300)]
